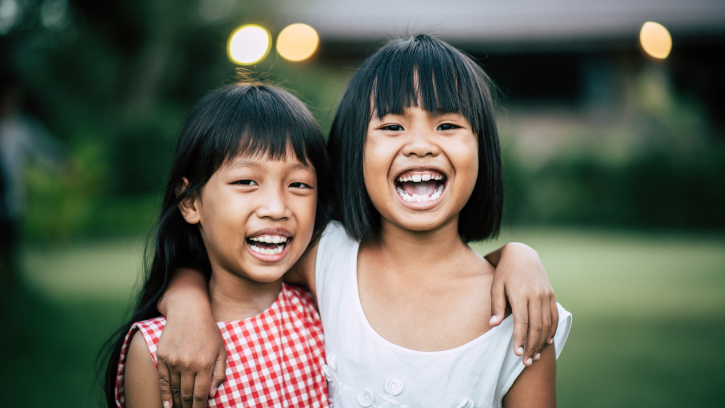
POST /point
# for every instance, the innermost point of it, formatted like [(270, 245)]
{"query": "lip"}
[(267, 258), (270, 231), (420, 205)]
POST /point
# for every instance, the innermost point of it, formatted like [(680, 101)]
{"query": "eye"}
[(246, 183), (300, 185), (394, 128), (448, 126)]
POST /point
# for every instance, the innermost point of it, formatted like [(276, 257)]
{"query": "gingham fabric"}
[(273, 360)]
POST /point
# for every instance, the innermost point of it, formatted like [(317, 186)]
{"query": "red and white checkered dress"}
[(273, 360)]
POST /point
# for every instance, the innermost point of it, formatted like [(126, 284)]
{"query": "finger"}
[(202, 385), (187, 389), (554, 319), (498, 304), (219, 375), (521, 324), (165, 384), (534, 333), (545, 327), (175, 378)]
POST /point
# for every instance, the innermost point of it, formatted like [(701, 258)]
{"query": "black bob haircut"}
[(419, 71), (246, 119)]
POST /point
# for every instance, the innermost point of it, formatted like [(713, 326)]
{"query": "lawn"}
[(649, 317)]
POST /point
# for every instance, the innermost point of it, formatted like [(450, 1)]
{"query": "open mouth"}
[(268, 244), (420, 185)]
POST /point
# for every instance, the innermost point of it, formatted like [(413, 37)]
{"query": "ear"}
[(189, 206)]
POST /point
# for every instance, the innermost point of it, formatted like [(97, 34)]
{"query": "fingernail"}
[(493, 320), (529, 362), (551, 340), (212, 392), (537, 356), (520, 351), (167, 404)]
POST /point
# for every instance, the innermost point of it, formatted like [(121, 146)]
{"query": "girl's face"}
[(420, 168), (256, 215)]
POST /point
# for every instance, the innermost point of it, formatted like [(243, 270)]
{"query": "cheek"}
[(305, 210), (377, 159), (223, 213), (466, 164)]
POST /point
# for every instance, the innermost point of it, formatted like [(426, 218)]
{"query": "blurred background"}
[(612, 122)]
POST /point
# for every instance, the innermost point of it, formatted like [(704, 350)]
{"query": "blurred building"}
[(572, 60)]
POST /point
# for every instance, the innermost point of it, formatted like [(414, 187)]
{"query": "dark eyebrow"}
[(300, 166)]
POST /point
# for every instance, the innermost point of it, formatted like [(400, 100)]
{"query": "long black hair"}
[(240, 119), (424, 71)]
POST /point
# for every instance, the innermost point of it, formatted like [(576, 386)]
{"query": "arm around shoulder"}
[(141, 380), (191, 354)]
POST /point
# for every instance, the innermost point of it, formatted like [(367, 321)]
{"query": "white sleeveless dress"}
[(365, 370)]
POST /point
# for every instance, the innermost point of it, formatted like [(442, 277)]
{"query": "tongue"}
[(423, 188), (265, 245)]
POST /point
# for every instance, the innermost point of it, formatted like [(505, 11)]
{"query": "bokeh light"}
[(297, 42), (656, 40), (249, 44)]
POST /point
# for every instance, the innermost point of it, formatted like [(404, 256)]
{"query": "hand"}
[(191, 354), (192, 360), (521, 277)]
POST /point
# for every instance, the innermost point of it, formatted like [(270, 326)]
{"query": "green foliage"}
[(79, 201), (648, 317), (660, 188)]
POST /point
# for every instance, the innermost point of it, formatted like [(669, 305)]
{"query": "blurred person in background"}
[(22, 137)]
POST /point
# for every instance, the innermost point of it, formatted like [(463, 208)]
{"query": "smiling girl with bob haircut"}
[(403, 299), (240, 207), (417, 162)]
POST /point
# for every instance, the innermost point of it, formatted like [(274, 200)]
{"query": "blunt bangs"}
[(256, 121), (424, 72), (427, 73)]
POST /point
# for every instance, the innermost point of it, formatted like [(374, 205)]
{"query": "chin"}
[(267, 276)]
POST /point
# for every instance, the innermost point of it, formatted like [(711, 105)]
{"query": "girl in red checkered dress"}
[(240, 205)]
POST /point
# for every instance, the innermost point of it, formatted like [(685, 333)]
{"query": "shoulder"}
[(151, 329), (475, 266), (535, 386), (141, 378), (298, 304), (334, 239), (298, 296), (541, 372), (335, 233), (334, 248), (138, 351)]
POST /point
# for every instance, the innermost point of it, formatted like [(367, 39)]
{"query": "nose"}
[(421, 142), (272, 204)]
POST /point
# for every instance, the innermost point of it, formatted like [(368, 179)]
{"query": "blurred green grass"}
[(648, 307)]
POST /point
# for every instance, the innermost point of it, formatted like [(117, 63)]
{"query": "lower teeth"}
[(265, 251), (419, 198)]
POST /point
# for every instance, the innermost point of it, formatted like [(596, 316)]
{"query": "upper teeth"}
[(271, 239), (417, 178)]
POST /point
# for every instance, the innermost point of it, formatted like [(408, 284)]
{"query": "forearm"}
[(494, 257), (520, 281), (187, 290), (191, 354)]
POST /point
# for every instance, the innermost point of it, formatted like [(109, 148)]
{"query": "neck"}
[(234, 297), (420, 252)]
